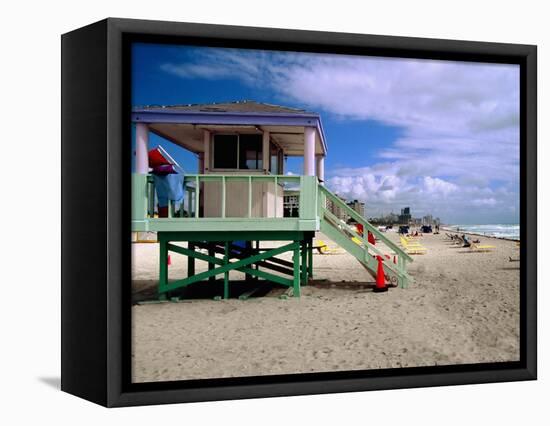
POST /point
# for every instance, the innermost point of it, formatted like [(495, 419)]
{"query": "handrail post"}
[(190, 194), (150, 199), (182, 203), (322, 204), (365, 237), (197, 194), (223, 196), (275, 203), (249, 196)]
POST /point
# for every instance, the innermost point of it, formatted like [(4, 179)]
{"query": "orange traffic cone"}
[(169, 261), (380, 280)]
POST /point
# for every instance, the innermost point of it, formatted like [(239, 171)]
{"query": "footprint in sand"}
[(322, 353)]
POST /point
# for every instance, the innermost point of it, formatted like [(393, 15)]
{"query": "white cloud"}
[(484, 202), (438, 186), (459, 150)]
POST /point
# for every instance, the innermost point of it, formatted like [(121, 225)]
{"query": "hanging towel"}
[(169, 187)]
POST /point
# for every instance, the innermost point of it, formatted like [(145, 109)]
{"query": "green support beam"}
[(163, 268), (296, 259), (303, 262), (241, 265), (272, 263), (211, 253), (212, 261), (190, 261), (226, 273), (310, 257)]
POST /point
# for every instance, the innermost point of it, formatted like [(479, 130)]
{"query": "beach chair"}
[(481, 248), (323, 248), (405, 243), (416, 250), (459, 240), (413, 247)]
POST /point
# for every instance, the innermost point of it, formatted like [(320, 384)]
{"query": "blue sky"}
[(440, 137)]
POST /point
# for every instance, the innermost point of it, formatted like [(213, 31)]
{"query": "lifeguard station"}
[(235, 202)]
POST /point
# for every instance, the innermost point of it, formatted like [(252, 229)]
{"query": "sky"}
[(440, 137)]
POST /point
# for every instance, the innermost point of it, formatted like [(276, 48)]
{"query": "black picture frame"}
[(96, 180)]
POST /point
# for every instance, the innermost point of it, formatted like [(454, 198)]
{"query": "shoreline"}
[(478, 234)]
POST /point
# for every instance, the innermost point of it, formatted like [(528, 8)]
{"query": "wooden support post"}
[(211, 265), (226, 273), (151, 199), (248, 253), (303, 262), (191, 261), (257, 251), (296, 282), (163, 267), (310, 257)]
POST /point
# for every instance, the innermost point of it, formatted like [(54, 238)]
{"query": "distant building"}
[(358, 206), (336, 210), (428, 220), (405, 216), (392, 218)]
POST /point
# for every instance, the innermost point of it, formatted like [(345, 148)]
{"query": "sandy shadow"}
[(54, 382), (345, 285), (146, 290)]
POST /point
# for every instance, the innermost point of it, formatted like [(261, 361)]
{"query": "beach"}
[(461, 307)]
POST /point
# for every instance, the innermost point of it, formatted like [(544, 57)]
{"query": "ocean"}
[(499, 230)]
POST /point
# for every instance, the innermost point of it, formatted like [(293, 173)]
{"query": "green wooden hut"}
[(237, 195)]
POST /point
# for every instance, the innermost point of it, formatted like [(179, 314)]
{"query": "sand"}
[(460, 308)]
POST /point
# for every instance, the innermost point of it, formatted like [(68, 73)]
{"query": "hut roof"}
[(243, 106)]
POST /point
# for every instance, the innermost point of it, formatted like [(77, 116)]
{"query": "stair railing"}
[(325, 195)]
